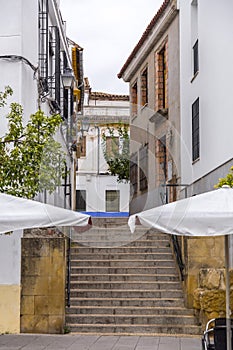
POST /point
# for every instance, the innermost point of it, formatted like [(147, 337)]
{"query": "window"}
[(134, 99), (81, 200), (161, 79), (162, 159), (195, 131), (195, 58), (83, 146), (144, 87), (143, 164), (112, 199), (134, 172), (112, 146)]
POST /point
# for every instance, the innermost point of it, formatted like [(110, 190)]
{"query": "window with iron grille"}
[(81, 200), (134, 172), (195, 130), (112, 200), (83, 146), (144, 87), (161, 79), (162, 159), (134, 99), (143, 165), (195, 58)]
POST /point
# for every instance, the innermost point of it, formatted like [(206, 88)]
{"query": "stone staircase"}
[(125, 284)]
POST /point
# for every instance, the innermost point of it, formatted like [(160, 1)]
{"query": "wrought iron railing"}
[(175, 242)]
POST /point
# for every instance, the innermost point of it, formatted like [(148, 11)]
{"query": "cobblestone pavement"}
[(95, 342)]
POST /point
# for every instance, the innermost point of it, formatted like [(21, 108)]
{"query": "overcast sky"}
[(108, 30)]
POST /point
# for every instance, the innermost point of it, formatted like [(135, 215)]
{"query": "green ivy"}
[(118, 159), (228, 180), (30, 159)]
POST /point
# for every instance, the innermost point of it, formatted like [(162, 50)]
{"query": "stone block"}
[(56, 305), (56, 286), (211, 278), (27, 305), (41, 305), (56, 324), (35, 247), (34, 324)]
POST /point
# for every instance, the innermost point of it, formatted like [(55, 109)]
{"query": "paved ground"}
[(92, 342)]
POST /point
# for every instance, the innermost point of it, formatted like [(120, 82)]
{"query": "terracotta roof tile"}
[(108, 97), (144, 36)]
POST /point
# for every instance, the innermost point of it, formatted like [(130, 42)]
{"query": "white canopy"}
[(19, 213), (207, 214)]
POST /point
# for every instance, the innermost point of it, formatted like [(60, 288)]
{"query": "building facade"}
[(34, 54), (206, 148), (99, 192), (206, 142), (152, 71)]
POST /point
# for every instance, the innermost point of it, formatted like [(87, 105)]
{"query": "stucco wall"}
[(212, 85), (10, 261)]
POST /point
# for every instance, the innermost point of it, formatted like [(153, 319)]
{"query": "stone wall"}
[(200, 253), (43, 276), (210, 296)]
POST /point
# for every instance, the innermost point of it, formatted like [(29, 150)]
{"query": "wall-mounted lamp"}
[(85, 124), (67, 78)]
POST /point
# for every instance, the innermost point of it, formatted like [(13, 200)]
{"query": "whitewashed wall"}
[(213, 86), (91, 169)]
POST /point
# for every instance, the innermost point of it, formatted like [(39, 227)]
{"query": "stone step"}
[(120, 232), (109, 221), (126, 284), (101, 235), (124, 277), (131, 302), (130, 319), (128, 310), (116, 243), (122, 263), (142, 285), (99, 270), (120, 250), (123, 256), (139, 329), (125, 293)]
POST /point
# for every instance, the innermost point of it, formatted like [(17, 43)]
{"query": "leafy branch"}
[(30, 159), (116, 152), (228, 180)]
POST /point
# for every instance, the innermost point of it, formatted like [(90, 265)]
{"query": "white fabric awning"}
[(207, 214), (20, 213)]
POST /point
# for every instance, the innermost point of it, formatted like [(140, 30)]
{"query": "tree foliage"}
[(228, 180), (30, 159), (117, 157)]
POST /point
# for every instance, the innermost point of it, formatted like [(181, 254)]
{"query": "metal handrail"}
[(175, 242), (68, 269)]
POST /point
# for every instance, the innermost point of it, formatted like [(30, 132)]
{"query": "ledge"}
[(160, 116)]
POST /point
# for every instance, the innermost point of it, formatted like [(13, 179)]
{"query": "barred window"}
[(134, 99), (144, 87), (195, 58), (81, 200), (112, 199), (134, 172), (195, 130), (143, 165)]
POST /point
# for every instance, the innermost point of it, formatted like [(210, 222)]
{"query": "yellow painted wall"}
[(9, 309)]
